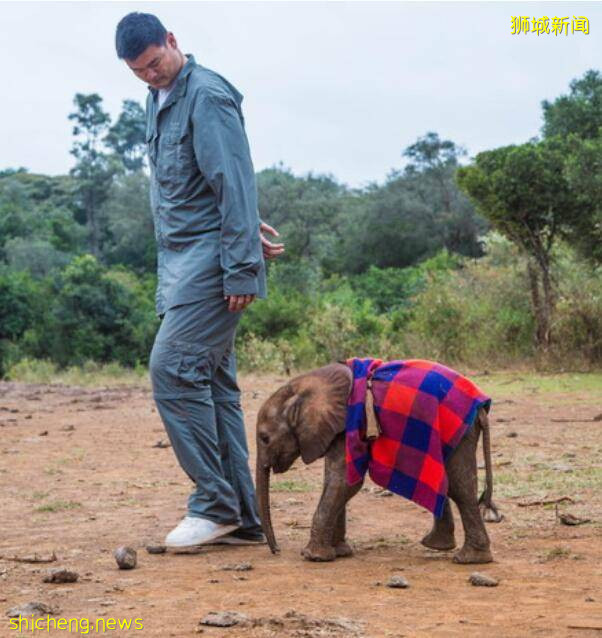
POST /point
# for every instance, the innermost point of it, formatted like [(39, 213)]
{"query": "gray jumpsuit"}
[(204, 204)]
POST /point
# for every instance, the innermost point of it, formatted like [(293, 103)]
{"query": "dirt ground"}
[(80, 475)]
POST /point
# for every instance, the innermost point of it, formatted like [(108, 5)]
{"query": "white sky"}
[(333, 87)]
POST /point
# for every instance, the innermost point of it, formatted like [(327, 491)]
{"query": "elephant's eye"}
[(264, 438)]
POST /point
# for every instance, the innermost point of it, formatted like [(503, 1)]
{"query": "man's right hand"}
[(236, 303)]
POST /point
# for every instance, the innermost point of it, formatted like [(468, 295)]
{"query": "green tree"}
[(413, 215), (94, 170), (37, 226), (304, 209), (577, 117), (584, 173), (524, 192), (129, 224), (430, 174), (579, 112), (95, 316), (18, 309), (126, 137)]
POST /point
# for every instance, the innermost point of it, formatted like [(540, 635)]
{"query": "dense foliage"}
[(490, 261)]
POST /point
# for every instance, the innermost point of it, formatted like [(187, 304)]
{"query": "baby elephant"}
[(307, 417)]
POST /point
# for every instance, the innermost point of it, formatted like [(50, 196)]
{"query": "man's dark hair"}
[(137, 31)]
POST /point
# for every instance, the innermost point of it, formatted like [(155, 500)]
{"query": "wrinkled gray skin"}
[(306, 418)]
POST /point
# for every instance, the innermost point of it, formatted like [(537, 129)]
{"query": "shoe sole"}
[(234, 540), (226, 529)]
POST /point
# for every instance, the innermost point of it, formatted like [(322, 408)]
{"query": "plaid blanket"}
[(423, 410)]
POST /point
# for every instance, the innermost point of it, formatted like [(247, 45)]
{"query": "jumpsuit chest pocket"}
[(175, 159)]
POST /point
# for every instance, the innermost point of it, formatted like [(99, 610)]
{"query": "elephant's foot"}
[(441, 541), (343, 550), (318, 553), (469, 555)]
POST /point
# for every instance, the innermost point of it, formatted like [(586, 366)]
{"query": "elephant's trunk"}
[(263, 498)]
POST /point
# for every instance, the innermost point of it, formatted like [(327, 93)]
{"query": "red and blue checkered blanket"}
[(423, 410)]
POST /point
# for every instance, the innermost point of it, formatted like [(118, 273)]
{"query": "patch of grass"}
[(555, 553), (39, 496), (507, 383), (90, 374), (546, 480), (391, 542), (52, 471), (291, 486), (58, 506)]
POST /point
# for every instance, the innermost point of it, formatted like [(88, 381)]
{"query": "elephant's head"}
[(300, 419)]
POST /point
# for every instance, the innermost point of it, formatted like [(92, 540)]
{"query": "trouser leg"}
[(233, 441), (189, 346)]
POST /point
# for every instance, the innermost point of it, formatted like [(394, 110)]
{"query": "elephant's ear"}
[(316, 411)]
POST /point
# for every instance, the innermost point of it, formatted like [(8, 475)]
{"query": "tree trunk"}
[(542, 304)]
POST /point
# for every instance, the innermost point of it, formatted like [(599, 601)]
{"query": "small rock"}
[(569, 519), (238, 567), (512, 435), (68, 428), (398, 582), (44, 433), (156, 549), (223, 619), (31, 609), (482, 580), (162, 444), (589, 599), (60, 576), (126, 557)]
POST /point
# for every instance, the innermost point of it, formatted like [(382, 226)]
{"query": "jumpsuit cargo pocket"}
[(194, 371), (175, 368)]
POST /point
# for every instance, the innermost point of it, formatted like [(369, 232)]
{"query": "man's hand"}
[(270, 251), (236, 303)]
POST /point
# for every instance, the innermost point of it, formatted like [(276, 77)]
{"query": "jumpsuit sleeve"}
[(223, 156)]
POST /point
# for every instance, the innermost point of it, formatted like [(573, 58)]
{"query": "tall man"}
[(210, 267)]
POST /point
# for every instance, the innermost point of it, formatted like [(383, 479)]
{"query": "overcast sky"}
[(332, 87)]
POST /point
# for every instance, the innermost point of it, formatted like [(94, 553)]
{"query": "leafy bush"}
[(20, 306), (480, 313), (577, 328), (98, 315)]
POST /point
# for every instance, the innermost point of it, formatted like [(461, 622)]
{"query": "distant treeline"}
[(496, 258)]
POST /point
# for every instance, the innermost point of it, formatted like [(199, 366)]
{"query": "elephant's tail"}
[(488, 509)]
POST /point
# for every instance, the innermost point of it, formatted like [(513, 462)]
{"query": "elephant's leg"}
[(442, 537), (462, 474), (332, 503), (341, 547)]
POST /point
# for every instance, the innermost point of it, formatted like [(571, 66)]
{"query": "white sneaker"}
[(193, 530)]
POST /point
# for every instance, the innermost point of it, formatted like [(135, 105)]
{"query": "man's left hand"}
[(270, 251), (236, 303)]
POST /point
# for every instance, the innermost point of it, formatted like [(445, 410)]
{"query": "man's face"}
[(158, 65)]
